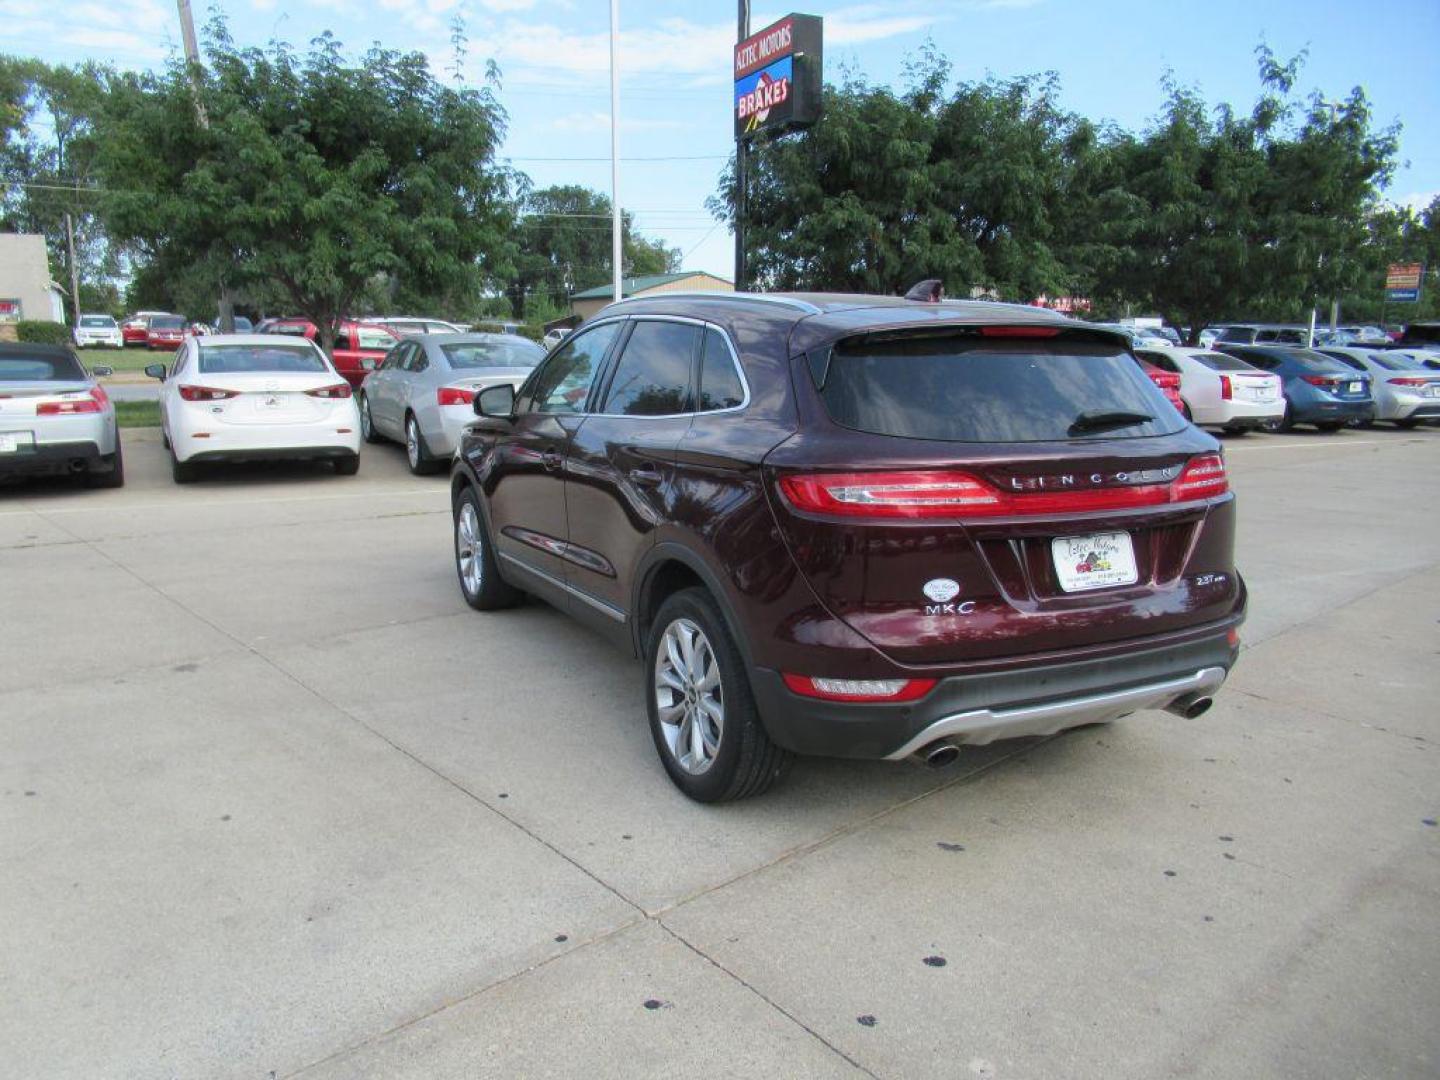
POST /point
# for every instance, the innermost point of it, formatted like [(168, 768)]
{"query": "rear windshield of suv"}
[(39, 367), (97, 322), (167, 322), (241, 359), (964, 389)]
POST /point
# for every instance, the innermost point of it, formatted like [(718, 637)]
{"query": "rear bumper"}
[(276, 453), (57, 459), (1243, 414), (1339, 411), (1410, 408), (975, 709)]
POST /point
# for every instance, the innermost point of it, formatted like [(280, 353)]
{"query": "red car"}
[(164, 332), (359, 346), (1167, 381), (135, 328)]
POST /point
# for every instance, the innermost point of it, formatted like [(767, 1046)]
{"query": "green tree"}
[(1214, 214), (563, 246), (48, 155), (886, 189), (314, 174)]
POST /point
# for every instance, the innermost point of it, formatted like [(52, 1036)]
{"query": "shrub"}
[(42, 333)]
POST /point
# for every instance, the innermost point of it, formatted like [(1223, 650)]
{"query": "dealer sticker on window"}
[(1094, 562)]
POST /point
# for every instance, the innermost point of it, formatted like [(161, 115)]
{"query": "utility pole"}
[(742, 31), (617, 248), (74, 272)]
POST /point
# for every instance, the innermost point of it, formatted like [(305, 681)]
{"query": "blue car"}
[(1318, 389)]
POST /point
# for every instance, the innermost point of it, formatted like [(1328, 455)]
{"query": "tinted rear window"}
[(969, 390), (1396, 362), (1422, 332), (241, 359), (482, 354), (166, 322), (1219, 361), (38, 367)]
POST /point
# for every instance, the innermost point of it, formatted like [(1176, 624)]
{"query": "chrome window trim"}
[(734, 361), (579, 594)]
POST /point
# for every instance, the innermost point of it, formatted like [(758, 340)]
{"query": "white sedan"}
[(252, 397), (1220, 390)]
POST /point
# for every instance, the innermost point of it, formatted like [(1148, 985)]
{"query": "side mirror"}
[(155, 371), (496, 402), (101, 371)]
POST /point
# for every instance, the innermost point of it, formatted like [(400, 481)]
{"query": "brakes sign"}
[(777, 76)]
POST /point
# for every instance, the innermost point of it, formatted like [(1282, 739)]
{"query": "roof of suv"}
[(815, 319)]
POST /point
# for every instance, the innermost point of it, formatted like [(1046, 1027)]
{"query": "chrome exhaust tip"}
[(1190, 706), (940, 754)]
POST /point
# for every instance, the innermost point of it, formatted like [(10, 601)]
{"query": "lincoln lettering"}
[(1050, 483)]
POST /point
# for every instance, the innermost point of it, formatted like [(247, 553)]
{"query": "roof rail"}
[(768, 298)]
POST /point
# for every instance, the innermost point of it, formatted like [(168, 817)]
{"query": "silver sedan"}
[(55, 419), (422, 395)]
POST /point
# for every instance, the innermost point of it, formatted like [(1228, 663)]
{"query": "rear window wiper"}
[(1095, 421)]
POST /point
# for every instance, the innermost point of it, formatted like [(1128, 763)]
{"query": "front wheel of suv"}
[(703, 718), (480, 581)]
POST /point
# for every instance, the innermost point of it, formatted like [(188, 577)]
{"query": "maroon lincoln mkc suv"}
[(857, 526)]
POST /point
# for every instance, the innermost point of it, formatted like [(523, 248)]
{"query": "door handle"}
[(551, 460), (646, 477)]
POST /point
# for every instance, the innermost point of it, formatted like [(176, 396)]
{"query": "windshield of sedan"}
[(483, 354), (243, 359), (1397, 362), (38, 367), (1219, 361), (97, 322)]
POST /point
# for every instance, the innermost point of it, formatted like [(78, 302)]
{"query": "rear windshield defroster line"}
[(963, 389)]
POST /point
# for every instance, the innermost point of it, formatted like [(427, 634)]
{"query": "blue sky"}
[(675, 98)]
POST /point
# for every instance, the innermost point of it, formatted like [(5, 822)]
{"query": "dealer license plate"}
[(12, 442), (1094, 562), (1356, 387)]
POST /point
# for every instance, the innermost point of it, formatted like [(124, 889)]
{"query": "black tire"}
[(164, 439), (1407, 425), (347, 466), (1235, 430), (1287, 422), (417, 455), (1185, 411), (475, 563), (744, 762), (1329, 426), (115, 477), (367, 422), (182, 472)]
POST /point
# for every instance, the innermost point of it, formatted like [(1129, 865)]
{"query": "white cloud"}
[(1418, 201)]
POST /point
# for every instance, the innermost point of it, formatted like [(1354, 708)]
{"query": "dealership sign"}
[(778, 76), (1402, 282)]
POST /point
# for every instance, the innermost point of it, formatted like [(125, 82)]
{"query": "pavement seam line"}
[(768, 1001)]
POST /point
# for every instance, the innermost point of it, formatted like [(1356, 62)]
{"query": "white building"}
[(27, 290)]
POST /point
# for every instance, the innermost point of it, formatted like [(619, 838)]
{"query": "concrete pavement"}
[(274, 802)]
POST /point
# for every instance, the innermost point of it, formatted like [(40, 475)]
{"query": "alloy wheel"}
[(469, 548), (412, 443), (367, 427), (689, 696)]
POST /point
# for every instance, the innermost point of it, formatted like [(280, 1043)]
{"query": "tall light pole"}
[(616, 246)]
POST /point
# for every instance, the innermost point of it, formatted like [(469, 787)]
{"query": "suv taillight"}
[(454, 395), (205, 393), (948, 494), (338, 390)]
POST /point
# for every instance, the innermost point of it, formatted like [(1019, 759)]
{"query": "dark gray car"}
[(421, 396)]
